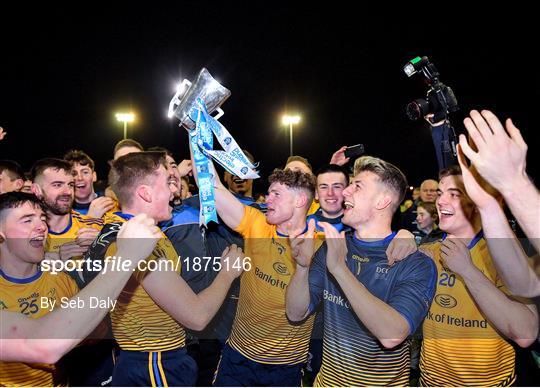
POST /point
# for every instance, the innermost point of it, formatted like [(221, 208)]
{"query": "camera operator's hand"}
[(429, 119), (339, 157), (501, 157)]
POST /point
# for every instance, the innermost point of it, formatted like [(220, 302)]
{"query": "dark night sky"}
[(65, 75)]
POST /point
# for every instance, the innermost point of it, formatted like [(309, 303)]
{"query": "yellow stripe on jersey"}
[(261, 330), (460, 346), (25, 297), (77, 222), (138, 323)]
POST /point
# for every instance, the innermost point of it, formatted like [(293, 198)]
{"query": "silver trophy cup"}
[(207, 88)]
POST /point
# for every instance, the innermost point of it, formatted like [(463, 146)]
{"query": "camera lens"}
[(417, 109)]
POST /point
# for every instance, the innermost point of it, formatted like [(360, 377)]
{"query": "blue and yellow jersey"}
[(261, 330), (352, 356), (138, 323), (24, 296), (460, 345), (76, 221)]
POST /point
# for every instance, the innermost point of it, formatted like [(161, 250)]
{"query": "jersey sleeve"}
[(253, 223), (414, 290), (317, 275)]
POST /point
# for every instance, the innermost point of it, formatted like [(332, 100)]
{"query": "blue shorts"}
[(236, 370), (154, 369)]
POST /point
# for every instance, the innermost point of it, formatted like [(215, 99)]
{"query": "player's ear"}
[(145, 193), (36, 190), (94, 176), (301, 199), (19, 183), (384, 200)]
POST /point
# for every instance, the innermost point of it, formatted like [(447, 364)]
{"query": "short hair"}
[(328, 168), (449, 171), (80, 157), (54, 163), (12, 169), (389, 175), (127, 143), (161, 149), (129, 171), (297, 158), (16, 199), (456, 171), (294, 180), (430, 208)]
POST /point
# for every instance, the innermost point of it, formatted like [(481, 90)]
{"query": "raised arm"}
[(507, 253), (48, 338), (297, 298), (501, 160), (229, 208), (193, 311)]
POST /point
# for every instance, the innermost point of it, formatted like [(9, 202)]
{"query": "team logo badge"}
[(446, 301), (281, 269)]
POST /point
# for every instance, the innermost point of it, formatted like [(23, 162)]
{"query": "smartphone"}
[(354, 151)]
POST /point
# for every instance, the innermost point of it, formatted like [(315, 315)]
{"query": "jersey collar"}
[(21, 280)]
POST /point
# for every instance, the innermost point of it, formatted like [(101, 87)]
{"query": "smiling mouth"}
[(445, 214), (37, 242)]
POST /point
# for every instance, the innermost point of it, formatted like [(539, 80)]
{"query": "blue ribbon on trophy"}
[(193, 105)]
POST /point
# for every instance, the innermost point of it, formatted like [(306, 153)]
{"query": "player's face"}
[(162, 195), (27, 187), (423, 218), (280, 201), (360, 198), (428, 191), (174, 176), (185, 189), (84, 181), (455, 208), (58, 191), (238, 185), (330, 188), (24, 230), (7, 185)]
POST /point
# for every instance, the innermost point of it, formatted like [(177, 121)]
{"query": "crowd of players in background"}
[(332, 295)]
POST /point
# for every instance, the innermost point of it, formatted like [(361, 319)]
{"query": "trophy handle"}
[(219, 113), (180, 91)]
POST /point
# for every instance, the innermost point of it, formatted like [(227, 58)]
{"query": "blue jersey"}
[(336, 222), (351, 354)]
